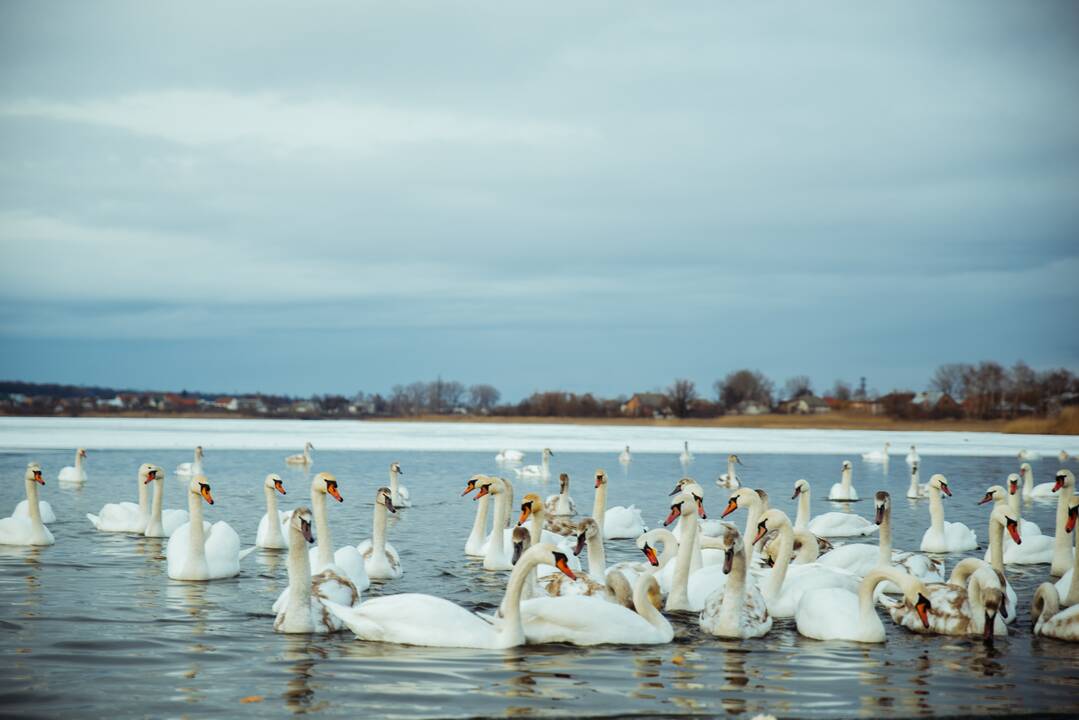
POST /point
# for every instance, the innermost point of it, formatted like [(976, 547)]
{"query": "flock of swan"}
[(737, 580)]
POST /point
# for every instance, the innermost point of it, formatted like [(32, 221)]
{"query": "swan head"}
[(912, 449), (395, 469), (681, 485), (548, 555), (33, 473), (1064, 478), (586, 530), (601, 477), (384, 497), (644, 544), (743, 497), (81, 452), (521, 540), (683, 505), (1002, 515), (530, 505), (882, 501), (148, 473), (1025, 470), (886, 446), (563, 482), (801, 486), (731, 543), (732, 458), (326, 484), (200, 486), (994, 493), (940, 482), (846, 465), (488, 485), (307, 446), (472, 484), (771, 520), (547, 453), (198, 452), (273, 481), (301, 521)]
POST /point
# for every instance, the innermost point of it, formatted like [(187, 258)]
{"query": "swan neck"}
[(802, 519), (753, 514), (155, 528), (644, 606), (144, 498), (502, 513), (846, 479), (869, 584), (996, 544), (679, 595), (511, 603), (378, 535), (535, 525), (597, 558), (393, 485), (479, 525), (599, 508), (886, 537), (299, 573), (1014, 505), (1062, 540), (33, 506), (196, 534), (1072, 598), (779, 572), (936, 509), (322, 529)]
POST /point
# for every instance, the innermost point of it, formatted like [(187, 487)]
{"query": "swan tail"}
[(248, 551), (94, 520), (356, 622)]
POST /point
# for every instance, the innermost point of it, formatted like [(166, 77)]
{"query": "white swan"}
[(944, 537), (273, 533), (398, 493), (300, 607), (877, 456), (913, 457), (426, 620), (618, 521), (497, 556), (612, 587), (916, 491), (1030, 490), (591, 620), (1015, 493), (1036, 548), (1049, 620), (29, 530), (784, 585), (738, 609), (1028, 455), (74, 474), (729, 479), (189, 469), (45, 511), (839, 614), (128, 517), (756, 504), (303, 458), (1068, 585), (970, 603), (704, 527), (1001, 519), (380, 558), (843, 491), (476, 538), (1063, 456), (345, 561), (562, 504), (829, 524), (624, 457), (194, 554), (1062, 548), (686, 457), (860, 558), (687, 507), (510, 456), (537, 471), (163, 523)]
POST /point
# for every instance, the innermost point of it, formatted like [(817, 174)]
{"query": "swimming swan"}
[(380, 558), (191, 468), (729, 479), (1030, 490), (843, 491), (509, 456), (916, 490), (163, 523), (1047, 617), (346, 561), (877, 456), (303, 458), (561, 504), (970, 603), (28, 530), (686, 457), (1036, 548), (737, 610), (944, 537), (273, 531), (624, 457), (74, 474), (913, 457), (537, 471), (194, 554), (1062, 548), (476, 538), (618, 521), (829, 524), (839, 614), (398, 493), (128, 517)]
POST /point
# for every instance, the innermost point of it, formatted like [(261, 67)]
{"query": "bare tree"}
[(841, 391), (798, 386), (951, 379), (483, 398), (743, 386), (682, 394)]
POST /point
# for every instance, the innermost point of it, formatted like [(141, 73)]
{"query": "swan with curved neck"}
[(618, 521), (380, 557), (303, 458), (686, 506), (738, 609), (128, 517), (478, 535), (944, 537), (729, 479), (1000, 519), (417, 619), (1046, 614), (877, 455), (839, 614), (300, 608), (970, 603), (561, 505), (162, 523), (398, 492), (537, 471), (195, 554), (269, 534), (345, 561), (843, 491), (1035, 549), (74, 474), (756, 505), (29, 530), (830, 524)]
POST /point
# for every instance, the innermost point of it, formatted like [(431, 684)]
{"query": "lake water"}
[(92, 626)]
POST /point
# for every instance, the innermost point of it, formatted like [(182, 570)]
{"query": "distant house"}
[(751, 407), (252, 405), (173, 401), (805, 405), (227, 403), (872, 407), (647, 405)]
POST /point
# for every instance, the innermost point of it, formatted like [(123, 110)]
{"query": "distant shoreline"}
[(1066, 424)]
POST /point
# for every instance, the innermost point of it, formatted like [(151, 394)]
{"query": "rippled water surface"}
[(93, 627)]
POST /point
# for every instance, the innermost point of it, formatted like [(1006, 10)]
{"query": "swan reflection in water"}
[(303, 654)]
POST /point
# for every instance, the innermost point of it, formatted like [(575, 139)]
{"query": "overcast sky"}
[(332, 197)]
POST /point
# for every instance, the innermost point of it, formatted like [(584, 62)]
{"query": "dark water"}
[(93, 627)]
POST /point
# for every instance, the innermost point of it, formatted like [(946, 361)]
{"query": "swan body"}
[(163, 523), (877, 456), (47, 514), (537, 471), (380, 558), (624, 457), (913, 457), (301, 607), (843, 491), (74, 474), (973, 608), (303, 458), (618, 521), (190, 469), (346, 561), (497, 556), (729, 479), (510, 456), (686, 457), (128, 517), (273, 531), (562, 504), (944, 537), (830, 524), (29, 530), (1028, 455), (1062, 547), (839, 614), (737, 609), (426, 620), (1049, 620), (195, 554)]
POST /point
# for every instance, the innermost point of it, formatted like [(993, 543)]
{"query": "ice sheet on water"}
[(160, 433)]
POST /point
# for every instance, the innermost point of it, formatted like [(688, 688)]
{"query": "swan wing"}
[(416, 619)]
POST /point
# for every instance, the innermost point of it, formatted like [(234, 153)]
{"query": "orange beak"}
[(923, 611), (150, 477), (279, 486), (526, 510), (762, 530), (563, 565), (37, 478), (731, 507), (483, 491), (206, 495), (675, 512), (469, 488), (1013, 487), (651, 555), (946, 490), (1058, 484), (599, 481), (1013, 530), (332, 490), (988, 498), (700, 509)]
